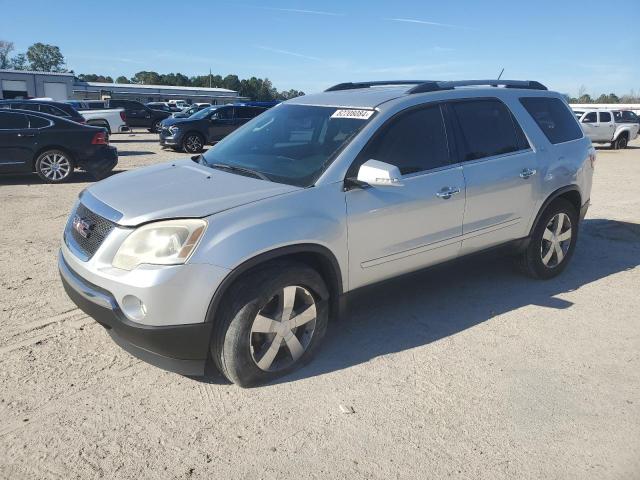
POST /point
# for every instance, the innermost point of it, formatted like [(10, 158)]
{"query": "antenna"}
[(501, 72)]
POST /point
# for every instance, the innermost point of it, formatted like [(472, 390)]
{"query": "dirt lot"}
[(464, 372)]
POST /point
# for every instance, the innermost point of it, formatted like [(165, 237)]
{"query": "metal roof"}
[(156, 87), (35, 72)]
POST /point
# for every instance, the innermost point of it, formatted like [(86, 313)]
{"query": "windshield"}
[(290, 144), (199, 115)]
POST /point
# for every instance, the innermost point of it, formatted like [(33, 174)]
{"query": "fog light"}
[(133, 307)]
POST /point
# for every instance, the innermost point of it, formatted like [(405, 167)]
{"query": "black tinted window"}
[(27, 106), (554, 118), (51, 110), (605, 117), (37, 122), (414, 141), (224, 113), (487, 129), (590, 117), (9, 121)]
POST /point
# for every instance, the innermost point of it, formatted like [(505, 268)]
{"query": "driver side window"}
[(590, 117), (414, 141)]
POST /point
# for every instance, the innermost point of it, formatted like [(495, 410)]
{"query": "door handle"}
[(24, 135), (528, 172), (447, 192)]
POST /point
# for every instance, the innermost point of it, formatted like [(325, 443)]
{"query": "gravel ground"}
[(465, 372)]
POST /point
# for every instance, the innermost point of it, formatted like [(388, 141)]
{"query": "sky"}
[(311, 45)]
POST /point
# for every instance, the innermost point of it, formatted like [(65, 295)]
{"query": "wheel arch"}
[(571, 193), (314, 255), (52, 147)]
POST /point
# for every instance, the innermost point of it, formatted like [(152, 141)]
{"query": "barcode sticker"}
[(352, 113)]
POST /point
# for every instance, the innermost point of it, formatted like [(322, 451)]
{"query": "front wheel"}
[(155, 127), (54, 166), (271, 323), (553, 241), (193, 143)]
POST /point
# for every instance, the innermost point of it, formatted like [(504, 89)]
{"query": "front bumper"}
[(169, 140), (178, 348)]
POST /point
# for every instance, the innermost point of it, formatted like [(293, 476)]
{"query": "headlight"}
[(168, 242), (173, 129)]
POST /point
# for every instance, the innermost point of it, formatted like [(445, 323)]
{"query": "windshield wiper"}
[(235, 168)]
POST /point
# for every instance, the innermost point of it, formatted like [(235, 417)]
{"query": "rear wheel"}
[(271, 322), (54, 166), (621, 142), (553, 241), (193, 143)]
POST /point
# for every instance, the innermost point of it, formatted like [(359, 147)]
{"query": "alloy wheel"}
[(193, 143), (556, 240), (283, 329), (55, 166)]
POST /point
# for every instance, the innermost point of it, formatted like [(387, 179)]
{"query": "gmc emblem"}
[(82, 226)]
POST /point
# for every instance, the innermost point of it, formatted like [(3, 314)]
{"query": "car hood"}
[(167, 122), (180, 189)]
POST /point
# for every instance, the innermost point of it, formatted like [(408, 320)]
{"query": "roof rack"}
[(422, 86)]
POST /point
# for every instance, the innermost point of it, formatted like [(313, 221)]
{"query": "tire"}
[(155, 127), (249, 349), (54, 166), (547, 254), (620, 143), (193, 143)]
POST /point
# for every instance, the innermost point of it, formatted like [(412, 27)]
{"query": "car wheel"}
[(155, 127), (271, 322), (193, 143), (620, 142), (553, 241), (54, 166)]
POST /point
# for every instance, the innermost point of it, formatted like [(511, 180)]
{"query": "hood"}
[(180, 189), (167, 122)]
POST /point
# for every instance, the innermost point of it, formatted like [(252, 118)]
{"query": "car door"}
[(500, 171), (590, 126), (221, 124), (17, 142), (393, 230), (607, 125)]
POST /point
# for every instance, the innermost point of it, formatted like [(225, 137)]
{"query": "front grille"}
[(99, 229)]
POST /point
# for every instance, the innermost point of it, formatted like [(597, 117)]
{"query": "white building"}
[(28, 84)]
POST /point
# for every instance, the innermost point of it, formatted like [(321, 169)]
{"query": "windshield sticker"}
[(351, 113)]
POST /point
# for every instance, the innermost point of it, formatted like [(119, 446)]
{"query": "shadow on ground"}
[(421, 308), (33, 179)]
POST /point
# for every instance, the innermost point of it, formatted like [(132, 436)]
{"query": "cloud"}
[(287, 52), (424, 22)]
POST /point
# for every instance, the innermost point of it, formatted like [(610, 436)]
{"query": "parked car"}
[(600, 126), (95, 113), (87, 104), (58, 109), (139, 115), (625, 116), (242, 254), (187, 112), (181, 104), (52, 146), (165, 107), (207, 126)]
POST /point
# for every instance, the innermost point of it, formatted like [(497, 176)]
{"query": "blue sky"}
[(309, 45)]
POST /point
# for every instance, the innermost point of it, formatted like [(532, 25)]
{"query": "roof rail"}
[(422, 86), (525, 84), (354, 85)]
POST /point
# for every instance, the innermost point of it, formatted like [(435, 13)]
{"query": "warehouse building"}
[(28, 84), (64, 86)]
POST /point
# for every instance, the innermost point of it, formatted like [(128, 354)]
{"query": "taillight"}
[(123, 116), (100, 138)]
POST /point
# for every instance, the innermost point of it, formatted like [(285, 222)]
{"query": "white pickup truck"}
[(601, 127), (113, 119)]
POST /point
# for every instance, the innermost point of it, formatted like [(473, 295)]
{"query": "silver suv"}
[(239, 257)]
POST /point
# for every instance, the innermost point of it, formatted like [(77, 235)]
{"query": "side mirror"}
[(379, 174)]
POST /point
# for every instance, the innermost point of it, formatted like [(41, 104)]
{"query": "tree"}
[(92, 77), (19, 62), (45, 58), (122, 79), (146, 78), (5, 50)]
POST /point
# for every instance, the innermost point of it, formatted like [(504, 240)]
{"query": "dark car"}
[(207, 126), (59, 109), (162, 106), (139, 115), (52, 147)]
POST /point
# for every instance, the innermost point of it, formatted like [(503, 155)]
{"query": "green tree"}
[(92, 77), (45, 58), (122, 79), (146, 78), (5, 50), (19, 62)]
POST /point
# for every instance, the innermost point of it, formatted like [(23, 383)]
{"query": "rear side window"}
[(37, 122), (605, 117), (414, 141), (554, 118), (13, 121), (487, 129), (51, 110)]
